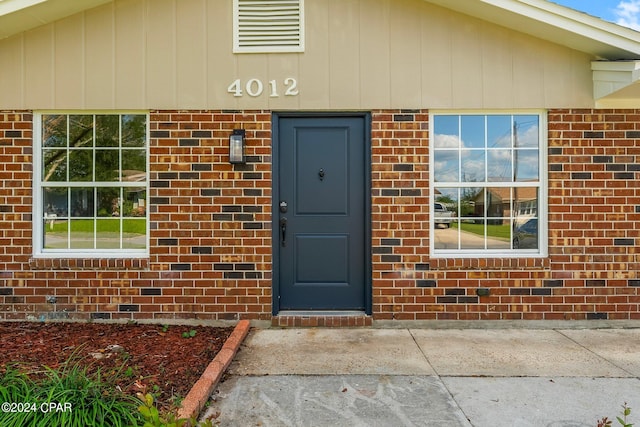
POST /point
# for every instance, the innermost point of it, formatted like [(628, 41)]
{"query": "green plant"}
[(192, 333), (68, 396), (626, 411), (152, 418), (165, 328)]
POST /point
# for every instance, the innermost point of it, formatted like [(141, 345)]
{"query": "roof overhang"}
[(558, 24), (17, 16), (616, 84)]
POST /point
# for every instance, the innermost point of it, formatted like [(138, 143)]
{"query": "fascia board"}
[(559, 24)]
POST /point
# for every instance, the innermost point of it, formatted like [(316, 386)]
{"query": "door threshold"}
[(321, 313), (322, 318)]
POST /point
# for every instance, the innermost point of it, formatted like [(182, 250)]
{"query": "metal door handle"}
[(283, 231)]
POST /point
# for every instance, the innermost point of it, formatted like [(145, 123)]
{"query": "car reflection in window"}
[(526, 235)]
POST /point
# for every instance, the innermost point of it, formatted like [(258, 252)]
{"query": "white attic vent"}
[(268, 26)]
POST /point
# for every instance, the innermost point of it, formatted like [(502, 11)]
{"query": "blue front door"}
[(320, 221)]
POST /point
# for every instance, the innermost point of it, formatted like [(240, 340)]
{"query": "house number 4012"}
[(255, 87)]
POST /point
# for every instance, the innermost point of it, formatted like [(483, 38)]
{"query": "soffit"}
[(549, 21), (17, 16)]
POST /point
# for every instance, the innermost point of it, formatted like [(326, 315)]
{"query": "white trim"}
[(37, 205), (611, 76), (558, 24), (542, 215), (11, 6)]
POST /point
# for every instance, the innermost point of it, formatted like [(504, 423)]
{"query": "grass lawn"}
[(495, 231), (129, 225)]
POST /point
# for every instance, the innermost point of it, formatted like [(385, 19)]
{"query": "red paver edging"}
[(202, 389)]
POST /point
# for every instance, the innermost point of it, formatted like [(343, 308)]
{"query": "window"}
[(488, 184), (90, 184), (268, 26)]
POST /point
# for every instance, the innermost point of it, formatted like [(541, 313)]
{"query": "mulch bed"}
[(165, 361)]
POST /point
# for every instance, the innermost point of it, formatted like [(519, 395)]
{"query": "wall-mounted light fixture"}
[(236, 146)]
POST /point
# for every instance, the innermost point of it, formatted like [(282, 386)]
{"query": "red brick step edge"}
[(202, 389)]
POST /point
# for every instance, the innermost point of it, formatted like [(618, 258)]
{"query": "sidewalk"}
[(431, 377)]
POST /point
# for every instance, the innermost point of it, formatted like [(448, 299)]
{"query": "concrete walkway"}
[(430, 377)]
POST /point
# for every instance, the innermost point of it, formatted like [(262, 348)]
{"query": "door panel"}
[(322, 181)]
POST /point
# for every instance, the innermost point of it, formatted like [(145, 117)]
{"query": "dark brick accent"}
[(602, 159), (189, 175), (390, 193), (252, 175), (597, 316), (554, 283), (181, 267), (633, 134), (403, 117), (613, 167), (426, 283), (252, 192), (391, 242), (541, 291), (245, 267), (168, 175), (6, 291), (581, 175), (99, 315), (159, 200), (168, 242), (468, 300), (150, 291), (5, 208), (221, 267), (633, 282), (556, 168), (128, 307), (382, 250), (633, 167), (188, 142), (411, 193), (159, 184), (13, 134), (555, 151), (623, 175), (254, 209), (592, 135), (454, 291), (596, 283), (201, 134), (203, 250), (159, 134), (519, 291), (243, 217), (231, 208), (210, 192), (447, 300), (201, 167), (403, 167), (623, 242), (222, 217), (391, 258), (234, 275), (252, 226)]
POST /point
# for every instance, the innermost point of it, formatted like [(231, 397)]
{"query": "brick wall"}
[(594, 224), (210, 243)]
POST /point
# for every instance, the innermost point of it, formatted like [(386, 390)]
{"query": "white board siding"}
[(145, 54)]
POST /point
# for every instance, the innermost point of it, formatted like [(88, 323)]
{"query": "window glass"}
[(486, 170), (93, 184)]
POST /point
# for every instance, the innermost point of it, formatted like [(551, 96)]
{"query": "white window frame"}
[(38, 203), (264, 46), (542, 208)]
